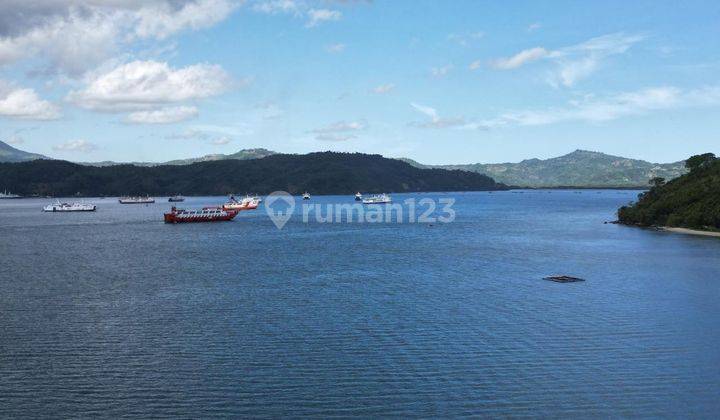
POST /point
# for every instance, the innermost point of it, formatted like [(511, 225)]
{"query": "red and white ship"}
[(207, 214), (247, 203)]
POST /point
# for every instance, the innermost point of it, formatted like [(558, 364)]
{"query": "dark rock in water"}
[(563, 279)]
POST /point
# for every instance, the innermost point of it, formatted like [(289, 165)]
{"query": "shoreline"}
[(686, 231)]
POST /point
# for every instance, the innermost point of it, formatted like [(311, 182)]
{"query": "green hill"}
[(11, 154), (318, 173), (580, 168), (690, 201)]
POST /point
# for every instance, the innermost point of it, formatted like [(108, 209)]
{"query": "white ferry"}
[(7, 194), (136, 200), (306, 196), (358, 196), (65, 207), (377, 199)]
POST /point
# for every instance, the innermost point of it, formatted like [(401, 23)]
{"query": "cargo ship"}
[(66, 207), (207, 214), (136, 200)]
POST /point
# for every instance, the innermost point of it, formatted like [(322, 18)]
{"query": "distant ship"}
[(176, 199), (358, 196), (66, 207), (306, 196), (246, 203), (136, 200), (378, 199), (207, 214), (7, 194)]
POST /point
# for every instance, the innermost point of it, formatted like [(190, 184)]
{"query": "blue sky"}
[(439, 82)]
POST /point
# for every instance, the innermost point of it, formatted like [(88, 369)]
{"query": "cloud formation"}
[(339, 131), (83, 146), (572, 63), (297, 8), (24, 103), (72, 36), (141, 85), (439, 72), (519, 59), (435, 120), (163, 116), (383, 89)]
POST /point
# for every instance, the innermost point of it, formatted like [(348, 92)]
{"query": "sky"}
[(436, 81)]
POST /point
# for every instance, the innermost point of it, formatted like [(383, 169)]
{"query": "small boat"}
[(136, 200), (246, 203), (358, 196), (306, 196), (176, 199), (207, 214), (377, 199), (66, 207), (7, 194)]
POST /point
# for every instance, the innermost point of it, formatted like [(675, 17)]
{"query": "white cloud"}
[(276, 6), (75, 146), (475, 65), (163, 116), (575, 62), (335, 137), (624, 104), (15, 139), (339, 131), (435, 120), (24, 103), (335, 48), (465, 39), (534, 27), (317, 16), (341, 126), (71, 36), (383, 89), (220, 141), (143, 84), (521, 58), (439, 72)]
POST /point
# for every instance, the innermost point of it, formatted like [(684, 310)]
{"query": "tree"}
[(658, 181), (699, 161)]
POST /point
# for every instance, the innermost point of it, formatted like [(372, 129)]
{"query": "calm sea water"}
[(114, 313)]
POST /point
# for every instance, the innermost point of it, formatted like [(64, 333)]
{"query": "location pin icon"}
[(278, 217)]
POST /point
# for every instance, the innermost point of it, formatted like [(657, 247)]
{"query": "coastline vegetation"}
[(691, 201)]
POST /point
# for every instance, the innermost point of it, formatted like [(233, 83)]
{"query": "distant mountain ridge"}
[(318, 173), (11, 154), (581, 168), (244, 154)]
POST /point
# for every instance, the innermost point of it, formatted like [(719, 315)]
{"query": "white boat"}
[(176, 199), (306, 196), (65, 207), (7, 194), (358, 196), (136, 200), (377, 199), (246, 203)]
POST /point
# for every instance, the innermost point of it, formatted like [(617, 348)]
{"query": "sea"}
[(116, 314)]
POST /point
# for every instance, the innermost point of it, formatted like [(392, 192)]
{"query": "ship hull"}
[(199, 218)]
